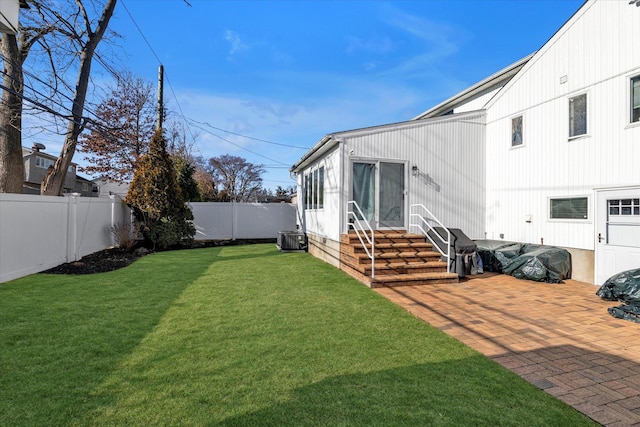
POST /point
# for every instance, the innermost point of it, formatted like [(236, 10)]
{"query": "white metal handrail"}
[(363, 231), (421, 221)]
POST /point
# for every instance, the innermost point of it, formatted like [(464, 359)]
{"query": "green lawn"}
[(241, 336)]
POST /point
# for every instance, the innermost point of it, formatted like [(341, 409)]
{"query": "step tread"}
[(406, 254), (415, 276)]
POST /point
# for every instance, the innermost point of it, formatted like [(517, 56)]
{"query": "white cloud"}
[(440, 41), (235, 43)]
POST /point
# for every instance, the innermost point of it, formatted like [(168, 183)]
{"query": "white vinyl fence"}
[(41, 232), (230, 221)]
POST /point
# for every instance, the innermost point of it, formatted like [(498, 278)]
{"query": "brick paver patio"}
[(558, 337)]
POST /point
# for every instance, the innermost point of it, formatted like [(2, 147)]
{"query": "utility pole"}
[(160, 96)]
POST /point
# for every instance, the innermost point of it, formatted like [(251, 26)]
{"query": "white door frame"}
[(375, 223), (611, 258)]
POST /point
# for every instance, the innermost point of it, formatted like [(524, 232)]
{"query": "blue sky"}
[(291, 72)]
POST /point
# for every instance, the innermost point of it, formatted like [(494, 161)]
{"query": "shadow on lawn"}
[(261, 250), (457, 392), (63, 335)]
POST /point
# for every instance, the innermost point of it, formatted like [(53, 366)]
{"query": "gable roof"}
[(501, 77), (545, 47)]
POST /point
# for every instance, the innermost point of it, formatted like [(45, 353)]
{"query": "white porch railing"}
[(357, 221), (417, 219)]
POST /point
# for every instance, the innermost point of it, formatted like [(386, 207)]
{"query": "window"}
[(321, 189), (569, 208), (516, 131), (314, 193), (41, 162), (578, 115), (635, 99), (624, 207), (307, 191), (314, 189)]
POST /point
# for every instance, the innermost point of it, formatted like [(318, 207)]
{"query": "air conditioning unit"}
[(289, 241)]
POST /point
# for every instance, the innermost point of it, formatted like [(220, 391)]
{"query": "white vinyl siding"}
[(448, 153), (520, 183), (323, 221)]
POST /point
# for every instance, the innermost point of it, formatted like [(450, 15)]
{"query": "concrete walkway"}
[(558, 337)]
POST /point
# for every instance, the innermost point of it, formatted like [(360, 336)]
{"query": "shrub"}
[(156, 199), (125, 235)]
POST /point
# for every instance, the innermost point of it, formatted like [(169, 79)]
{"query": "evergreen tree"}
[(156, 198), (186, 181)]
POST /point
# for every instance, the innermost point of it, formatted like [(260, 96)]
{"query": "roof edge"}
[(505, 73), (330, 140)]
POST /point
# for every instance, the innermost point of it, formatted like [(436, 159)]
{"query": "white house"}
[(545, 151)]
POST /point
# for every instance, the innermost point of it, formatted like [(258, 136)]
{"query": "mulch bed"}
[(98, 262)]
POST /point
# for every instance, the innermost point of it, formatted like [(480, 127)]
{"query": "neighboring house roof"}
[(83, 179), (329, 141), (499, 78)]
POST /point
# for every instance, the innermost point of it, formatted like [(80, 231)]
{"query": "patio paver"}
[(558, 337)]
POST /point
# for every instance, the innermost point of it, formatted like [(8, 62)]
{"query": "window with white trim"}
[(44, 163), (314, 189), (516, 131), (578, 115), (307, 191), (569, 208), (635, 99)]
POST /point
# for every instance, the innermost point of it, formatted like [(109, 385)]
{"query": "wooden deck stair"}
[(401, 259)]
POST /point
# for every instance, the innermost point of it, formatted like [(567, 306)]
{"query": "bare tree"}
[(88, 38), (11, 167), (14, 50), (64, 32), (239, 180)]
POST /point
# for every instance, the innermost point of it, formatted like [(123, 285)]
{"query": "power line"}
[(240, 146), (159, 63), (140, 31), (245, 136)]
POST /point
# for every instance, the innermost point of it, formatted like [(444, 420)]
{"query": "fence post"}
[(113, 219), (72, 227), (233, 220)]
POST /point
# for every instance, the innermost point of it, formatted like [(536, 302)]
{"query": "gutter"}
[(504, 74), (322, 146)]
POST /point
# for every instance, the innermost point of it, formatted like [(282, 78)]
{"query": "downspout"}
[(301, 203), (344, 190)]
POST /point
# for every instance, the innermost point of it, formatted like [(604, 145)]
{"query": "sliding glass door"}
[(379, 188), (364, 188)]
